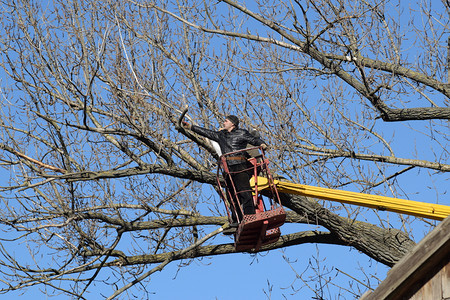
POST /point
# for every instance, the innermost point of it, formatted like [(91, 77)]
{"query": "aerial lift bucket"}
[(261, 228)]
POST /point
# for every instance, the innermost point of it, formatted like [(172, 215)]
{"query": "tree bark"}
[(416, 114), (387, 246)]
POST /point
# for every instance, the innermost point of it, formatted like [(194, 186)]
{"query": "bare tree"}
[(97, 171)]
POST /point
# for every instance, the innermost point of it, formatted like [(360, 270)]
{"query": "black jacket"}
[(232, 141)]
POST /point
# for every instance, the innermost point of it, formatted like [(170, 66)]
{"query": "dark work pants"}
[(243, 190)]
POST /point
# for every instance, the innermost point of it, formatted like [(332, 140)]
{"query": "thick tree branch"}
[(395, 69), (416, 114), (212, 250), (384, 245)]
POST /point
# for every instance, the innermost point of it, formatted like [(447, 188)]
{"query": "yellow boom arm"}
[(414, 208)]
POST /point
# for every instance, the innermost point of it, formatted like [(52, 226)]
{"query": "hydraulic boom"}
[(414, 208)]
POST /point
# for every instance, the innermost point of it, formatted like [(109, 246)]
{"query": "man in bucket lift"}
[(232, 138)]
